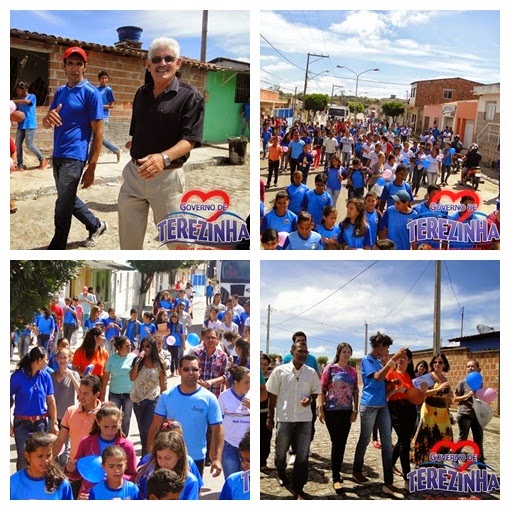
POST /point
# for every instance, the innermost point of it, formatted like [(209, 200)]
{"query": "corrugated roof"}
[(107, 264), (101, 48)]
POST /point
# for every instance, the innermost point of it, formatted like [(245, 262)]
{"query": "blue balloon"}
[(381, 181), (90, 468), (405, 161), (193, 339), (474, 380), (426, 163)]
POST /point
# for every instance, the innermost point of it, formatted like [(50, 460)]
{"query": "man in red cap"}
[(75, 113)]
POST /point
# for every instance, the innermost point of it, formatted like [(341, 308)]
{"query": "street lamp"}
[(333, 87), (357, 75)]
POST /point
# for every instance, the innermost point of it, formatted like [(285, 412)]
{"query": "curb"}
[(48, 190)]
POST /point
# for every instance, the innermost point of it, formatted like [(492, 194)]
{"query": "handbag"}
[(483, 412)]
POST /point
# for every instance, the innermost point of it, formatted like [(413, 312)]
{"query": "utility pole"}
[(462, 322), (437, 310), (203, 45), (269, 310), (308, 55), (366, 338)]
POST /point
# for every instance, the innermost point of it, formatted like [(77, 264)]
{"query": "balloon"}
[(193, 339), (487, 394), (13, 107), (314, 153), (282, 236), (474, 380), (381, 181), (285, 149), (170, 340), (90, 468), (387, 174), (415, 396), (405, 161), (12, 164), (426, 163)]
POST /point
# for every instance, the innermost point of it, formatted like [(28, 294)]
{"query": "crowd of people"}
[(383, 171), (414, 402), (73, 403)]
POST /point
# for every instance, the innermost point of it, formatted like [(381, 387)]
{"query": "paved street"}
[(320, 484), (212, 486), (488, 191), (34, 191)]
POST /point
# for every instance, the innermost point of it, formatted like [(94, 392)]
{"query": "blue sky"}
[(377, 296), (405, 45), (228, 31)]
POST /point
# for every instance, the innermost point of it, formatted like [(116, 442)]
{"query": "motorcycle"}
[(473, 177), (457, 162)]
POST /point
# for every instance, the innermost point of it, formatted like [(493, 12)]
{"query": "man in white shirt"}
[(329, 145), (292, 387)]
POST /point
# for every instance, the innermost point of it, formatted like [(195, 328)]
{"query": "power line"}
[(407, 293), (327, 297), (281, 54), (451, 284), (283, 79)]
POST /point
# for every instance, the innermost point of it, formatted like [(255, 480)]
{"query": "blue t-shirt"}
[(315, 203), (266, 135), (92, 324), (194, 411), (81, 105), (236, 486), (358, 179), (30, 392), (176, 332), (44, 325), (374, 392), (296, 194), (464, 245), (391, 189), (373, 218), (209, 291), (23, 486), (132, 329), (107, 97), (347, 236), (186, 302), (30, 120), (112, 332), (69, 317), (311, 361), (294, 241), (129, 490), (334, 181), (164, 303), (147, 330), (285, 223), (396, 223), (328, 234), (119, 368), (296, 148)]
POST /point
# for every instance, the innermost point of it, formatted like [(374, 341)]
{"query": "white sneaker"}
[(292, 459), (92, 238), (391, 490)]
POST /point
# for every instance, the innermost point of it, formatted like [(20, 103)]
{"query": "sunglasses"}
[(167, 58), (189, 369)]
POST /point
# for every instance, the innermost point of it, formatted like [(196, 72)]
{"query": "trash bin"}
[(237, 150)]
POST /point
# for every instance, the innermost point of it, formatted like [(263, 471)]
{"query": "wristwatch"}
[(166, 160)]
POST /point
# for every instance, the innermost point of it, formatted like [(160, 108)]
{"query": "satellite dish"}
[(483, 328)]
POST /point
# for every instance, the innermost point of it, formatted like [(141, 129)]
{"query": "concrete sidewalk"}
[(33, 183)]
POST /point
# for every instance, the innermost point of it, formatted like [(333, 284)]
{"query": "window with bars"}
[(242, 88)]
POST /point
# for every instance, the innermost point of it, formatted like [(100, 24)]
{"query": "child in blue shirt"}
[(114, 462), (280, 218), (334, 174), (354, 229), (305, 160), (315, 200), (304, 238), (296, 192), (132, 327), (270, 239), (147, 328), (328, 230)]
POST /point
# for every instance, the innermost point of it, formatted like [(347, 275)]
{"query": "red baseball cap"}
[(75, 49)]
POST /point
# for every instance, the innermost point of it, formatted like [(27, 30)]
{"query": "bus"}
[(341, 112), (233, 277)]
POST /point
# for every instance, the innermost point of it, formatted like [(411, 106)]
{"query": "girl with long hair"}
[(91, 352), (354, 229)]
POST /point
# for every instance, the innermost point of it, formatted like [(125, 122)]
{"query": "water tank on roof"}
[(129, 33)]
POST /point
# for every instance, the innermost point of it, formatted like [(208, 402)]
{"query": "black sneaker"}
[(92, 238)]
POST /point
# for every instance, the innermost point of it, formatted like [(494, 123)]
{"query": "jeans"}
[(23, 345), (335, 193), (417, 176), (144, 411), (69, 330), (28, 136), (176, 352), (346, 159), (300, 434), (339, 426), (369, 416), (445, 173), (465, 423), (109, 145), (125, 404), (67, 173), (43, 340), (273, 169), (431, 178), (265, 439), (23, 429), (230, 460)]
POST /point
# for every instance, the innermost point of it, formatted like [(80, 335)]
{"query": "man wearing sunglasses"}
[(167, 122), (195, 408)]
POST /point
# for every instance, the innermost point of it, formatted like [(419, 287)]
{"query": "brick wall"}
[(431, 91)]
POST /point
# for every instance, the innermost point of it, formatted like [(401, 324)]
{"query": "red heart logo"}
[(455, 447), (454, 196), (206, 196)]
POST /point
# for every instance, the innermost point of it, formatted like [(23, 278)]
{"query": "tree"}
[(316, 102), (33, 282), (148, 268), (322, 360), (393, 109)]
